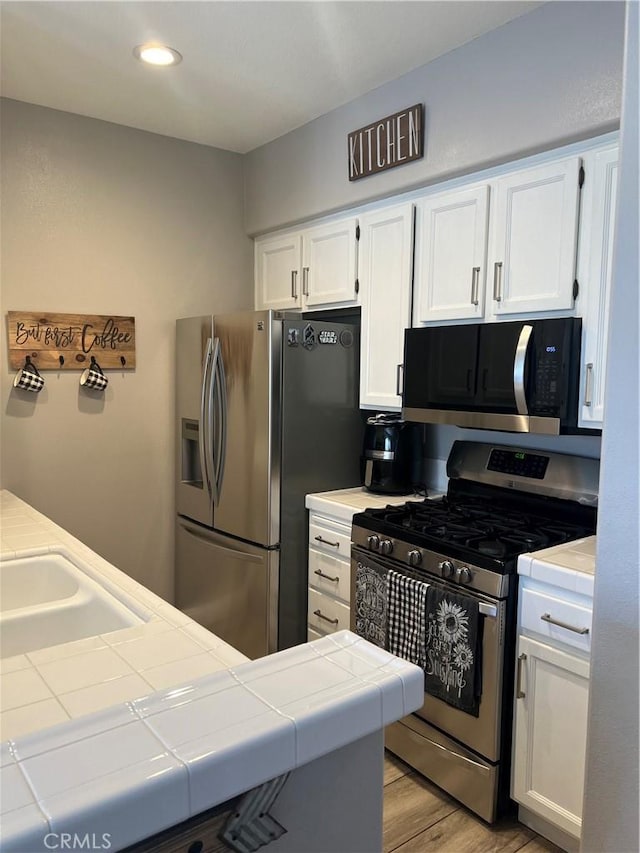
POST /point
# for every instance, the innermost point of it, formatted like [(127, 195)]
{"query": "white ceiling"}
[(251, 72)]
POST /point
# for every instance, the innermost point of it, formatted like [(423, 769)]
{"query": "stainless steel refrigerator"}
[(267, 411)]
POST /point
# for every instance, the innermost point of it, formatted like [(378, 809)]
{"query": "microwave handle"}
[(518, 369)]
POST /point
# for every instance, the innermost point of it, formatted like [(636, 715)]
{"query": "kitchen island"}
[(117, 736)]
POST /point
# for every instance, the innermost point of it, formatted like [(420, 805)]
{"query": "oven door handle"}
[(488, 609), (518, 369)]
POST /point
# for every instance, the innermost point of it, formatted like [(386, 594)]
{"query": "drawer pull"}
[(326, 577), (546, 617), (321, 615), (326, 542), (519, 691)]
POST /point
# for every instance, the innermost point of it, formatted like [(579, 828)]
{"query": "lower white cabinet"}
[(329, 575), (551, 733), (551, 704)]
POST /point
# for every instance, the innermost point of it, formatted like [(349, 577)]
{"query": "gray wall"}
[(611, 794), (551, 77), (99, 218)]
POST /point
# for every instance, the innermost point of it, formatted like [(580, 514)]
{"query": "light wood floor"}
[(419, 818)]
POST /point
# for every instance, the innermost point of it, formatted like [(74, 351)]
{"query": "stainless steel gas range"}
[(500, 502)]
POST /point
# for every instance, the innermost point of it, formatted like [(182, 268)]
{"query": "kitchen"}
[(169, 268)]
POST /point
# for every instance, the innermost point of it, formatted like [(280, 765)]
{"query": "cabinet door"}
[(596, 256), (277, 272), (550, 734), (533, 244), (451, 255), (386, 242), (329, 263)]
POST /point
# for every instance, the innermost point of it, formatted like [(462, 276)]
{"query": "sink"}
[(48, 599)]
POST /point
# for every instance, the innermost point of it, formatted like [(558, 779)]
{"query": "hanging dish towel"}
[(407, 617), (371, 603), (452, 668)]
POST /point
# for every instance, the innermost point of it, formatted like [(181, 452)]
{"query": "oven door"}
[(481, 733)]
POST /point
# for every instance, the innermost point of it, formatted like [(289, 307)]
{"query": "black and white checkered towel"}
[(407, 617)]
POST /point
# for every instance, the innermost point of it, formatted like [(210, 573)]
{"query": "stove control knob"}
[(446, 567), (386, 546), (414, 557), (373, 542), (463, 575)]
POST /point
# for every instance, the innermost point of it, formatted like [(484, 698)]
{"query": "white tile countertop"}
[(570, 566), (343, 504), (136, 730)]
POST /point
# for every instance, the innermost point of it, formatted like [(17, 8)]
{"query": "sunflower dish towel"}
[(452, 668)]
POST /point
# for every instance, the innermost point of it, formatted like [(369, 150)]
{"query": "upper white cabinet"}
[(451, 255), (501, 248), (532, 250), (311, 268), (277, 272), (594, 274), (386, 240)]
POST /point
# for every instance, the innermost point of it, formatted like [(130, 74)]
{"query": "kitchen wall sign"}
[(388, 142), (68, 341)]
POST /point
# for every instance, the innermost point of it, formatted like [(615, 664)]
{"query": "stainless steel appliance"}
[(501, 502), (518, 377), (267, 411), (390, 445)]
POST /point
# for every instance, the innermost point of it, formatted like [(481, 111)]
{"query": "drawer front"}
[(327, 614), (330, 574), (556, 619), (312, 635), (330, 538)]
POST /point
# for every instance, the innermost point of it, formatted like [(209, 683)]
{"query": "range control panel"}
[(518, 462)]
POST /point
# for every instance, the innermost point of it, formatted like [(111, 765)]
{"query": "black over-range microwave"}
[(517, 377)]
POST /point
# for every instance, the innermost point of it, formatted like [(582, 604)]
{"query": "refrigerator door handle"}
[(204, 398), (221, 420), (202, 536), (209, 431)]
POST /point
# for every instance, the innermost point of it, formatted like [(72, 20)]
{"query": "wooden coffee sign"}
[(67, 341), (386, 143)]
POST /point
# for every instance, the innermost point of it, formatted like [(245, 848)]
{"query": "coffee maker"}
[(387, 454)]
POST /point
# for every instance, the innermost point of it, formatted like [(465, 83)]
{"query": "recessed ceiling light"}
[(157, 54)]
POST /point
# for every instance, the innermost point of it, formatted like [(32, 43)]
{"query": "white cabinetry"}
[(532, 250), (506, 247), (329, 575), (451, 255), (551, 734), (552, 690), (386, 243), (311, 268), (594, 274)]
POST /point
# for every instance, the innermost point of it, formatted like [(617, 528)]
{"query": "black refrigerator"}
[(266, 412)]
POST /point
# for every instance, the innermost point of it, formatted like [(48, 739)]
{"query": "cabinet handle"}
[(321, 615), (475, 279), (588, 385), (519, 691), (399, 370), (326, 542), (547, 617), (305, 281), (326, 577), (497, 281), (294, 283)]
